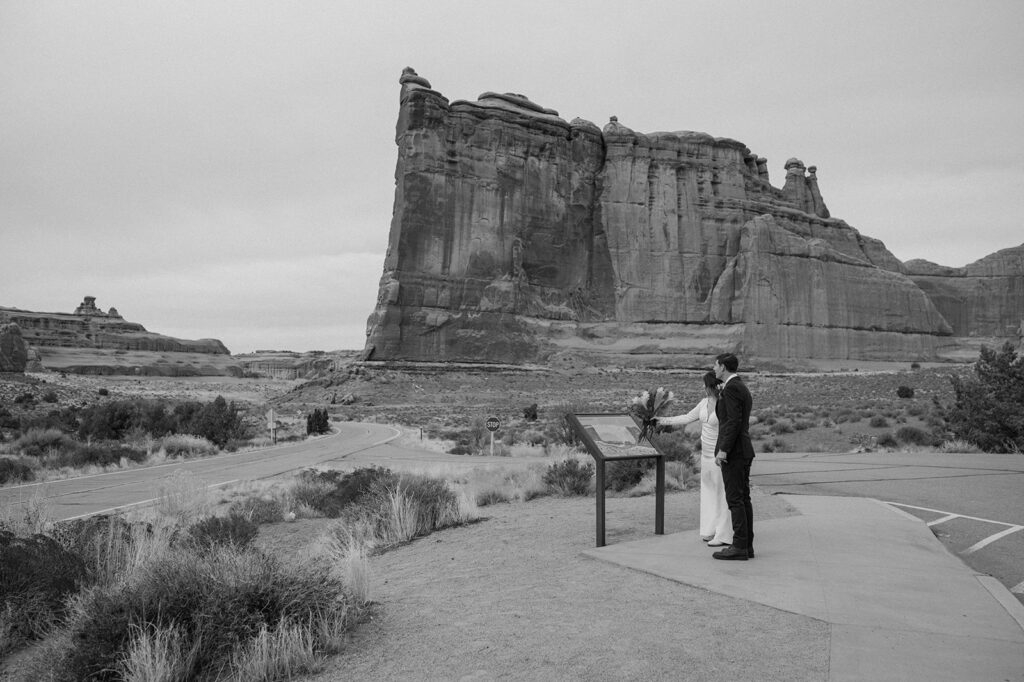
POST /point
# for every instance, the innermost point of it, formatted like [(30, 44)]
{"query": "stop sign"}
[(492, 424)]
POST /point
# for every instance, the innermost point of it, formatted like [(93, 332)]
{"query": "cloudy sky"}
[(226, 169)]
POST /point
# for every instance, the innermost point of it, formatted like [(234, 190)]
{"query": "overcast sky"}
[(226, 169)]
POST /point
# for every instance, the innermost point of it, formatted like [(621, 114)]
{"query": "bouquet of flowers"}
[(647, 406)]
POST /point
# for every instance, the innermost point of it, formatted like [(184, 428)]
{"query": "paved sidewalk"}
[(901, 607)]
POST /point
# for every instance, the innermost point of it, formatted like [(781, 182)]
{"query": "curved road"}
[(353, 445)]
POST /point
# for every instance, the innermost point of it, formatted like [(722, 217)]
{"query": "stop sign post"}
[(492, 424)]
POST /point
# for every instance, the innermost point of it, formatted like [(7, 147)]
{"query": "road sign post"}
[(272, 425), (492, 424)]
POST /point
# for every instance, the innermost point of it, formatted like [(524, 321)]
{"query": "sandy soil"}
[(512, 598)]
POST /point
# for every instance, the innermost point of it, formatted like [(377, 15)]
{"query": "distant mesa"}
[(90, 340), (519, 237)]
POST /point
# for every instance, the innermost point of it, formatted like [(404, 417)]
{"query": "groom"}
[(734, 453)]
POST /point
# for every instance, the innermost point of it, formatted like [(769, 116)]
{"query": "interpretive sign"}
[(613, 437)]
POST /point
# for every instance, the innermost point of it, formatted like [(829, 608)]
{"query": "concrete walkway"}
[(901, 607)]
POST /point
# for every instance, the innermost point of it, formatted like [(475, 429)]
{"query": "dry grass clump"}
[(172, 599)]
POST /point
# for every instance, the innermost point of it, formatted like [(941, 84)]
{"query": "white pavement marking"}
[(137, 504), (1011, 528), (992, 538), (947, 517), (961, 516)]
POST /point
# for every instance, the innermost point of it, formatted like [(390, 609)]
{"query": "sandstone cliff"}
[(985, 298), (517, 235), (89, 327)]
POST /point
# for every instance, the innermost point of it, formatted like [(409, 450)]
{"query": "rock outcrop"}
[(89, 327), (517, 236), (13, 349), (985, 298)]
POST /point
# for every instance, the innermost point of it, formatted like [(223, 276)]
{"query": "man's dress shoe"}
[(732, 554)]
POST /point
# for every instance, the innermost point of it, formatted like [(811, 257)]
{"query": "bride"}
[(715, 519)]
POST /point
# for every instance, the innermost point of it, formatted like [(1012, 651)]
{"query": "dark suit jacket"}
[(733, 411)]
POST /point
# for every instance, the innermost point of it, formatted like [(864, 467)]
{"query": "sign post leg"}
[(600, 502), (659, 497)]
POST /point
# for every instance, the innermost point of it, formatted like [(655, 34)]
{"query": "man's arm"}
[(729, 428)]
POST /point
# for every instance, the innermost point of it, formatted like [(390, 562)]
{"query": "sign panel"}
[(492, 424)]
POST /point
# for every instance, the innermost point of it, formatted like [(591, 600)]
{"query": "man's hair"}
[(729, 361)]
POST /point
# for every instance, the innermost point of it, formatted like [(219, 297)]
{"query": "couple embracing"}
[(726, 515)]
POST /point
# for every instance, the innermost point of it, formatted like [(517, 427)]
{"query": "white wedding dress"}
[(715, 518)]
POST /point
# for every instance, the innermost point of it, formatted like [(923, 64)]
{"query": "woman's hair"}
[(711, 381)]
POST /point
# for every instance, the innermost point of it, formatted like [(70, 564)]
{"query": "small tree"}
[(905, 392), (989, 406), (317, 422)]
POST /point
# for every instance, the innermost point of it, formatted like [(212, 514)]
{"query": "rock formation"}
[(13, 349), (517, 236), (90, 327), (985, 298)]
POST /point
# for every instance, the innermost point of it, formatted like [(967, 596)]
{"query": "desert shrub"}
[(558, 428), (679, 475), (879, 422), (218, 421), (346, 488), (625, 474), (494, 484), (219, 600), (103, 391), (318, 422), (434, 500), (675, 444), (492, 496), (15, 469), (186, 445), (25, 399), (404, 508), (233, 529), (904, 392), (802, 424), (37, 442), (887, 440), (107, 545), (50, 396), (460, 449), (309, 491), (569, 477), (780, 427), (259, 510), (911, 435), (100, 454), (532, 437), (36, 575), (844, 415), (988, 409), (530, 412), (957, 445), (915, 365), (915, 410)]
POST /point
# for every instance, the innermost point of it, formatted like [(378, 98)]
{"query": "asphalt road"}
[(76, 497), (353, 445), (974, 503)]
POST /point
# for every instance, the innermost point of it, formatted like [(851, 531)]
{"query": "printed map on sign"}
[(615, 435)]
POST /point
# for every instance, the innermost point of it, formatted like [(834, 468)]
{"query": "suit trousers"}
[(736, 475)]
